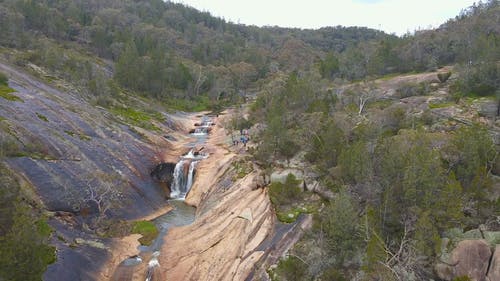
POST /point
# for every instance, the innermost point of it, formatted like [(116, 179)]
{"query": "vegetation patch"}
[(84, 137), (290, 268), (413, 89), (6, 93), (42, 117), (242, 168), (286, 197), (24, 233), (441, 105), (147, 229), (3, 79), (135, 117)]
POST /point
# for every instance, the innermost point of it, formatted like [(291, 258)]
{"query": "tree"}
[(356, 163), (340, 223), (24, 234), (102, 192), (470, 154), (329, 67), (127, 68)]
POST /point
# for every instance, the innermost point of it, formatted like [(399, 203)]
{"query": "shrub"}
[(444, 76), (291, 269), (412, 89), (287, 193), (3, 79)]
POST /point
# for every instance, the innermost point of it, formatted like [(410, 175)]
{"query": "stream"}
[(181, 214)]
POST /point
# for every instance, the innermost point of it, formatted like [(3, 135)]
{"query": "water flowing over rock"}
[(183, 178)]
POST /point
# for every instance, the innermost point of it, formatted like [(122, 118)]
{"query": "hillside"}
[(380, 151)]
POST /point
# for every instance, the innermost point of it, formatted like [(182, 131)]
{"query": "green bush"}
[(291, 269), (287, 193), (24, 235), (444, 76), (478, 80), (3, 79), (412, 89)]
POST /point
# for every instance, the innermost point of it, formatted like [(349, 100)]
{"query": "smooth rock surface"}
[(494, 272), (471, 258)]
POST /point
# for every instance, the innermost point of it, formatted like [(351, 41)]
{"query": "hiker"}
[(245, 140)]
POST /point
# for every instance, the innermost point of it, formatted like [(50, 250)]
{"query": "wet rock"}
[(163, 172), (494, 272)]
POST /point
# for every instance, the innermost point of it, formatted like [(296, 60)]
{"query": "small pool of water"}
[(182, 214)]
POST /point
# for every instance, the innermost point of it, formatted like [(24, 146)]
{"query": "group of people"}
[(244, 138)]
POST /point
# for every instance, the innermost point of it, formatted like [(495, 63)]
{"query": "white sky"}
[(392, 16)]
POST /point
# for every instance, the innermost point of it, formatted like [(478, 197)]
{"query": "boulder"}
[(258, 182), (486, 107), (471, 258), (280, 176), (444, 271), (494, 272)]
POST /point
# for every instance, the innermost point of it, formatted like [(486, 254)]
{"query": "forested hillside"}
[(396, 138)]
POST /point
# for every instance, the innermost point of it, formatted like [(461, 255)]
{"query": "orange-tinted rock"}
[(494, 272), (471, 258)]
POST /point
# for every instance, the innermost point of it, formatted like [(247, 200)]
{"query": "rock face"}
[(70, 145), (469, 258), (163, 172), (221, 243), (472, 258), (494, 272), (74, 142)]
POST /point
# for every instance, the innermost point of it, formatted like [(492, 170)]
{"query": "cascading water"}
[(183, 178), (201, 131), (184, 172)]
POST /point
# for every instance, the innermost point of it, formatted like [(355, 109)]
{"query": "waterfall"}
[(183, 178), (189, 183), (200, 131)]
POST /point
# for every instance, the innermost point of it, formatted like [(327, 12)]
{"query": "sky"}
[(391, 16)]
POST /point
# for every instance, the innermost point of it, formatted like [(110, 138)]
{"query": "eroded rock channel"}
[(231, 235)]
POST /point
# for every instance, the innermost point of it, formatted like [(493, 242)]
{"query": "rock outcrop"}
[(233, 218), (469, 258)]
